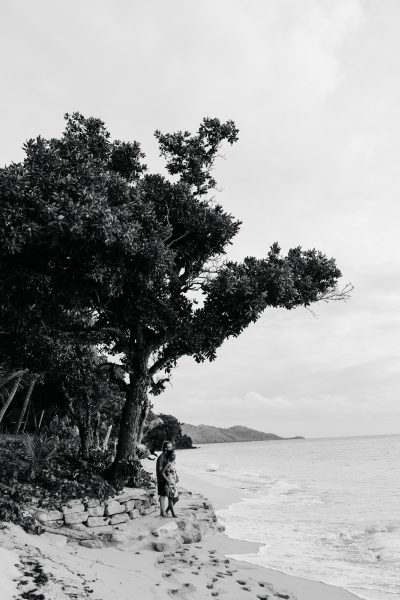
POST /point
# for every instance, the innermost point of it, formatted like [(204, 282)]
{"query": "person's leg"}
[(162, 506), (171, 506)]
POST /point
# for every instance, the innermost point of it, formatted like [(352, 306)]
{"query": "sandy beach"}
[(133, 569)]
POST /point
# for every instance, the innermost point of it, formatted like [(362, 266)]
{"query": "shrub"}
[(38, 451)]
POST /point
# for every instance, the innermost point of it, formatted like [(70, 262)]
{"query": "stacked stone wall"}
[(99, 516)]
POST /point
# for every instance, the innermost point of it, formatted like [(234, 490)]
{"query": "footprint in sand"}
[(284, 596), (262, 596), (183, 591), (241, 581)]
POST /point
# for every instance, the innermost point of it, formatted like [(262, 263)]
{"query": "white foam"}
[(322, 509)]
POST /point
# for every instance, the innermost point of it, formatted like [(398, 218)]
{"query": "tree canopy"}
[(95, 248)]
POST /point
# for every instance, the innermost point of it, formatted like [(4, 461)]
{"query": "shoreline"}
[(221, 497), (193, 571)]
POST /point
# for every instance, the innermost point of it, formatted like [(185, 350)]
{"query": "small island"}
[(207, 434)]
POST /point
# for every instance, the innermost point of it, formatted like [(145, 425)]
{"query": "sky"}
[(314, 88)]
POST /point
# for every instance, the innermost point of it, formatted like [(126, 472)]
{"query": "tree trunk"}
[(85, 434), (40, 420), (96, 432), (26, 402), (9, 378), (133, 418), (106, 439), (10, 398)]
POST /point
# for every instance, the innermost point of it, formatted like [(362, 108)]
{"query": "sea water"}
[(323, 509)]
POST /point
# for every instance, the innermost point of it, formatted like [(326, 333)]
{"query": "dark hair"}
[(165, 444), (171, 455)]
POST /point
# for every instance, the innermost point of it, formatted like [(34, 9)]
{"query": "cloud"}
[(314, 89)]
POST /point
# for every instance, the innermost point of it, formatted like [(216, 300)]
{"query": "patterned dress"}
[(172, 477)]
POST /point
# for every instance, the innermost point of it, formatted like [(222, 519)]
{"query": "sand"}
[(128, 571)]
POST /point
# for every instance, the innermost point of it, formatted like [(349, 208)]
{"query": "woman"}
[(161, 483), (170, 475)]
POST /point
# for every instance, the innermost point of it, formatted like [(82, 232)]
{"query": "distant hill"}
[(207, 434)]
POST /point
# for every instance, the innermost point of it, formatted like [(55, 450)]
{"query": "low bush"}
[(36, 471)]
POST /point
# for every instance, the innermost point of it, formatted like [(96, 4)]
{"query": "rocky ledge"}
[(130, 519)]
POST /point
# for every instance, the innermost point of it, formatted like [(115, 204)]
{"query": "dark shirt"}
[(161, 462)]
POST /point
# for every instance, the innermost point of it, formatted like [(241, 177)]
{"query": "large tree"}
[(134, 261)]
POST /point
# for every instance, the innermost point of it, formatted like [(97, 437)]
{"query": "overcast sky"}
[(314, 87)]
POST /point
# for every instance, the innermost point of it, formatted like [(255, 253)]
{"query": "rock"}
[(74, 508), (117, 537), (133, 514), (129, 505), (73, 501), (191, 536), (96, 543), (168, 529), (92, 502), (96, 511), (167, 544), (146, 511), (49, 515), (70, 533), (114, 508), (119, 518), (97, 521), (125, 497), (220, 528), (56, 524), (131, 494), (102, 529), (77, 517), (78, 526)]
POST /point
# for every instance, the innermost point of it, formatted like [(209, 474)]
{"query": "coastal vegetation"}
[(109, 275)]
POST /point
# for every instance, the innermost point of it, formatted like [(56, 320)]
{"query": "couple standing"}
[(167, 479)]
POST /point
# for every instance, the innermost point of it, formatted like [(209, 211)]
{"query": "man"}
[(161, 481)]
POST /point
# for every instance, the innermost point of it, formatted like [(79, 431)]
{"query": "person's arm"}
[(163, 472)]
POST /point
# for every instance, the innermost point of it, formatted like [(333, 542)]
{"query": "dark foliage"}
[(64, 478), (108, 254), (170, 429)]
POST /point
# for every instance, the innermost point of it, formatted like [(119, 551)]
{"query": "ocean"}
[(323, 509)]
